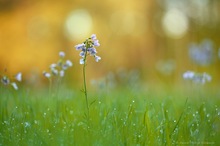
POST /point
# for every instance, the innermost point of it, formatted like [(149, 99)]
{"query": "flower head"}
[(88, 48), (59, 68)]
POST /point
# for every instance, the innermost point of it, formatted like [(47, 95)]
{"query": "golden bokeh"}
[(152, 37)]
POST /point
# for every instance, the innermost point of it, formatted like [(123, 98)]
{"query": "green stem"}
[(84, 79)]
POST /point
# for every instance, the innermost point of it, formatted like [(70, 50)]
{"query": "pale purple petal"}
[(81, 61), (93, 36), (18, 76), (97, 58)]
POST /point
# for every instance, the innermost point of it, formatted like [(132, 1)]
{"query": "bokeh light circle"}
[(78, 24), (175, 23)]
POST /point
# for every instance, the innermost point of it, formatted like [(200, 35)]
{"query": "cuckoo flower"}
[(5, 80), (88, 47), (59, 68), (200, 78)]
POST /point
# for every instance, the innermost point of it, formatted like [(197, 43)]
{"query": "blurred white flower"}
[(18, 76), (62, 73), (14, 85), (69, 63), (200, 78), (58, 69), (5, 80), (53, 65), (46, 74), (62, 54), (188, 75)]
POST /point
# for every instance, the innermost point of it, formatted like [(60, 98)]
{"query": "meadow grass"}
[(117, 117)]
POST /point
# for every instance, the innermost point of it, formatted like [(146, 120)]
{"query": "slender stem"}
[(50, 87), (84, 79)]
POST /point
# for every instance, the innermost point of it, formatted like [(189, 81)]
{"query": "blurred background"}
[(152, 42)]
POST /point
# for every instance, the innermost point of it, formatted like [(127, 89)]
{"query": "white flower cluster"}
[(201, 78), (5, 80), (88, 47), (59, 68)]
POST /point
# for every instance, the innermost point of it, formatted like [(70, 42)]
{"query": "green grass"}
[(117, 117)]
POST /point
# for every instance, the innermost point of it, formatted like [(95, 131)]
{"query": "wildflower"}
[(80, 46), (188, 75), (14, 85), (62, 54), (53, 65), (93, 36), (69, 63), (201, 78), (5, 80), (18, 76), (46, 74), (88, 47), (54, 71), (58, 69), (97, 58), (62, 73)]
